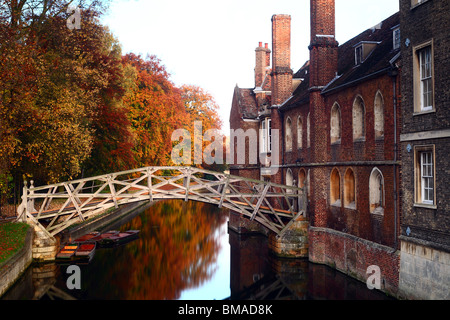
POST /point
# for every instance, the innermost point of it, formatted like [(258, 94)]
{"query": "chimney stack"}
[(262, 62), (281, 59), (323, 47), (281, 79)]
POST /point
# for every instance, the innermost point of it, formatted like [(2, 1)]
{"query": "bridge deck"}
[(56, 207)]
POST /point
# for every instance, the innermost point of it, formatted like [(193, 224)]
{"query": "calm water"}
[(185, 252)]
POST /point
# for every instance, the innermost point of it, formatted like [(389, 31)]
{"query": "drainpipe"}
[(393, 73)]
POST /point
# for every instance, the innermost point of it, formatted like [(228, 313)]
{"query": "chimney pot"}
[(260, 44)]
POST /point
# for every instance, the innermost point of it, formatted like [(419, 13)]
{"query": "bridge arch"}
[(56, 207)]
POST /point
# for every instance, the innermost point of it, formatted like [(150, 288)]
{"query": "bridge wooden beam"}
[(260, 201), (250, 197)]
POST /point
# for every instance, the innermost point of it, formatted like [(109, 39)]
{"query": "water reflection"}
[(183, 251), (176, 250)]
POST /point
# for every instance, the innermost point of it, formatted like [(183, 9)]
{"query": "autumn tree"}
[(154, 108), (71, 104), (202, 111), (61, 92)]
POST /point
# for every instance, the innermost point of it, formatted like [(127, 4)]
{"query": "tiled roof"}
[(247, 102), (377, 60), (348, 73)]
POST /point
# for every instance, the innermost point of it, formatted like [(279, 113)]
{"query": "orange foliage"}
[(176, 250)]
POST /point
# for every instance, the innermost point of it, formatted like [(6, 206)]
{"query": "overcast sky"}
[(212, 43)]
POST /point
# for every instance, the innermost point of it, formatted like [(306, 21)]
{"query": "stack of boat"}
[(83, 248)]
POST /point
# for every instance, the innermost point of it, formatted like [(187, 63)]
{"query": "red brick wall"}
[(353, 256), (347, 154)]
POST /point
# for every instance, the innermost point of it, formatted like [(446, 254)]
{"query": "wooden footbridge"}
[(56, 207)]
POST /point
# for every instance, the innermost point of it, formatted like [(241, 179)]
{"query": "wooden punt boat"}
[(87, 237), (85, 251), (120, 238), (104, 235), (67, 252)]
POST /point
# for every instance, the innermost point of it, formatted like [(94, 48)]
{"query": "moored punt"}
[(86, 250), (120, 238), (67, 252), (104, 235), (87, 237)]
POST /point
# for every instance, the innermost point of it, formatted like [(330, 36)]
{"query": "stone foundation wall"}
[(424, 272), (293, 243)]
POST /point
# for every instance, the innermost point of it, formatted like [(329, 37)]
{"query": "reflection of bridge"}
[(55, 207)]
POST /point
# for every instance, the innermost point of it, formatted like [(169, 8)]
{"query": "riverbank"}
[(14, 265)]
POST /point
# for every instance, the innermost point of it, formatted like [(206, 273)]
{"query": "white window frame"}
[(426, 78), (425, 176), (423, 73), (266, 136), (396, 38)]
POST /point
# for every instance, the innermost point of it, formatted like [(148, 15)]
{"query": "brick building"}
[(338, 119), (425, 142)]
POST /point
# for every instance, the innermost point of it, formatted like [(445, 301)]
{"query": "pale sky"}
[(212, 44)]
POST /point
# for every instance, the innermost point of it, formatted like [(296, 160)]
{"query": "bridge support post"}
[(45, 246), (293, 242)]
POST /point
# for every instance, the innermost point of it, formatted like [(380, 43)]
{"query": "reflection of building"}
[(425, 143), (339, 120)]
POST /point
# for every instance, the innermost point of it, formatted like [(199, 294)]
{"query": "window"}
[(358, 119), (376, 192), (299, 133), (303, 184), (301, 178), (426, 92), (358, 55), (396, 38), (423, 78), (349, 189), (379, 115), (425, 175), (335, 125), (335, 188), (308, 131), (289, 180), (415, 3), (266, 136), (288, 134)]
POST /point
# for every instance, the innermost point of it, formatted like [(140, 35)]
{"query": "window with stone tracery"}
[(359, 114), (335, 125)]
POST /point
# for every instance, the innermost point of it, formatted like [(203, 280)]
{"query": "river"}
[(185, 251)]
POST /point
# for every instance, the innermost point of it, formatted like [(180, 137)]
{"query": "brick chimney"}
[(262, 62), (323, 67), (323, 47), (281, 59), (281, 79)]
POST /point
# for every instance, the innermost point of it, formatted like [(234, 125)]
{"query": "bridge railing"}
[(58, 206)]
